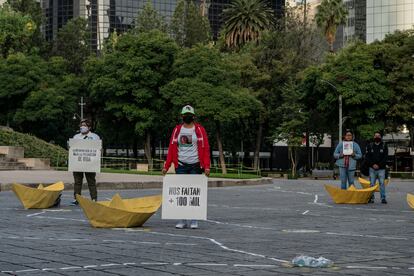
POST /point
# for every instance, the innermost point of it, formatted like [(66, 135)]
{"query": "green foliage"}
[(188, 26), (20, 74), (73, 44), (33, 9), (364, 88), (16, 31), (34, 147), (331, 14), (48, 109), (148, 19), (126, 82), (245, 21), (397, 59)]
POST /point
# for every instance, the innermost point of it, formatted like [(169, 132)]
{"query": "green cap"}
[(187, 109)]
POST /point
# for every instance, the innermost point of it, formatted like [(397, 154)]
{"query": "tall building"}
[(371, 20), (106, 16)]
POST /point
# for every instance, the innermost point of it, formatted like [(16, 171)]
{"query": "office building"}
[(106, 16), (371, 20)]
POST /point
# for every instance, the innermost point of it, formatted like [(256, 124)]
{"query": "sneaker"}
[(181, 224), (383, 201), (371, 200), (194, 224), (74, 203)]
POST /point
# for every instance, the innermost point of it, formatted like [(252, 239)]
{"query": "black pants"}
[(90, 178)]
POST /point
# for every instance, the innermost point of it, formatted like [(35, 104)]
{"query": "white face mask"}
[(84, 129)]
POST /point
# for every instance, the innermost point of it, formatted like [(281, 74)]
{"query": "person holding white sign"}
[(85, 134), (189, 151), (346, 154)]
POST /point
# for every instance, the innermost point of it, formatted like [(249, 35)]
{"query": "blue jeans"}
[(188, 169), (346, 175), (380, 175)]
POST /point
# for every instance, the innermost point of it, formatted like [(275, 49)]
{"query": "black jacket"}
[(376, 154)]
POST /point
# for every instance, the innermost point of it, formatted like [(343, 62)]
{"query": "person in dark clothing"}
[(376, 158)]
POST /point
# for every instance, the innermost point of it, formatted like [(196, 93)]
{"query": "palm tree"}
[(245, 20), (331, 14)]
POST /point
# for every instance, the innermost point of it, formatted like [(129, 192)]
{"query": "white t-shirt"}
[(187, 146), (88, 136)]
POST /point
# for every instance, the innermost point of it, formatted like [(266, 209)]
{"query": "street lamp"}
[(340, 119)]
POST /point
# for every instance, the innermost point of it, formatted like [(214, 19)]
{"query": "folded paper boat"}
[(118, 212), (410, 200), (366, 183), (350, 196), (40, 197)]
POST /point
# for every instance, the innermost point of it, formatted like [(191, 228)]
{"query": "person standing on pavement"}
[(347, 162), (189, 151), (85, 133), (376, 157)]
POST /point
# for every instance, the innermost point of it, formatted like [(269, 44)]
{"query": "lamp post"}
[(340, 119), (82, 104)]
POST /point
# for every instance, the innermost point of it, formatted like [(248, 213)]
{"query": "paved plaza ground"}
[(253, 230)]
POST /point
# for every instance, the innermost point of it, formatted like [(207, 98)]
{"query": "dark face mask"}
[(188, 119), (377, 140)]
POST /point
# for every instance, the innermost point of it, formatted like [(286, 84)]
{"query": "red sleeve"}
[(206, 150), (170, 153)]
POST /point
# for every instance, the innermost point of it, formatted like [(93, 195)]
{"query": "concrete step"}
[(14, 168)]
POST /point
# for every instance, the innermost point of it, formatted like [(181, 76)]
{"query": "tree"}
[(293, 126), (188, 26), (148, 19), (331, 14), (397, 60), (245, 21), (20, 74), (282, 55), (16, 31), (48, 109), (363, 87), (73, 44), (126, 81), (202, 80)]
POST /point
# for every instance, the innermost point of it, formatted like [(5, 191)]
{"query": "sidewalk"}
[(108, 180)]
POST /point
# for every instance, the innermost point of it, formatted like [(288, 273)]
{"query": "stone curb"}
[(213, 183)]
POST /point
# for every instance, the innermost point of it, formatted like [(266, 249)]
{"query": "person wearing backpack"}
[(376, 158), (346, 161)]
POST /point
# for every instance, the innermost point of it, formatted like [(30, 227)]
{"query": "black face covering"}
[(188, 119), (377, 140)]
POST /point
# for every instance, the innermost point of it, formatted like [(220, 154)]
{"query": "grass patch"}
[(34, 147)]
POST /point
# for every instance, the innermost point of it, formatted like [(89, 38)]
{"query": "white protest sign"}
[(85, 155), (184, 196), (348, 148)]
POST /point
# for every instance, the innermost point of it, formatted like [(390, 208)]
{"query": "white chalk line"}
[(222, 246), (241, 225), (109, 265), (304, 213)]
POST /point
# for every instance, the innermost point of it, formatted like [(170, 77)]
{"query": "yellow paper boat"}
[(118, 212), (40, 197), (410, 200), (350, 196), (366, 183)]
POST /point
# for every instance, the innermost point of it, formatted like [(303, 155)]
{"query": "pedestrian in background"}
[(346, 154), (376, 157)]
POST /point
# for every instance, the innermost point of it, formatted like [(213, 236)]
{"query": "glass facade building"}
[(106, 16), (387, 16), (371, 20)]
